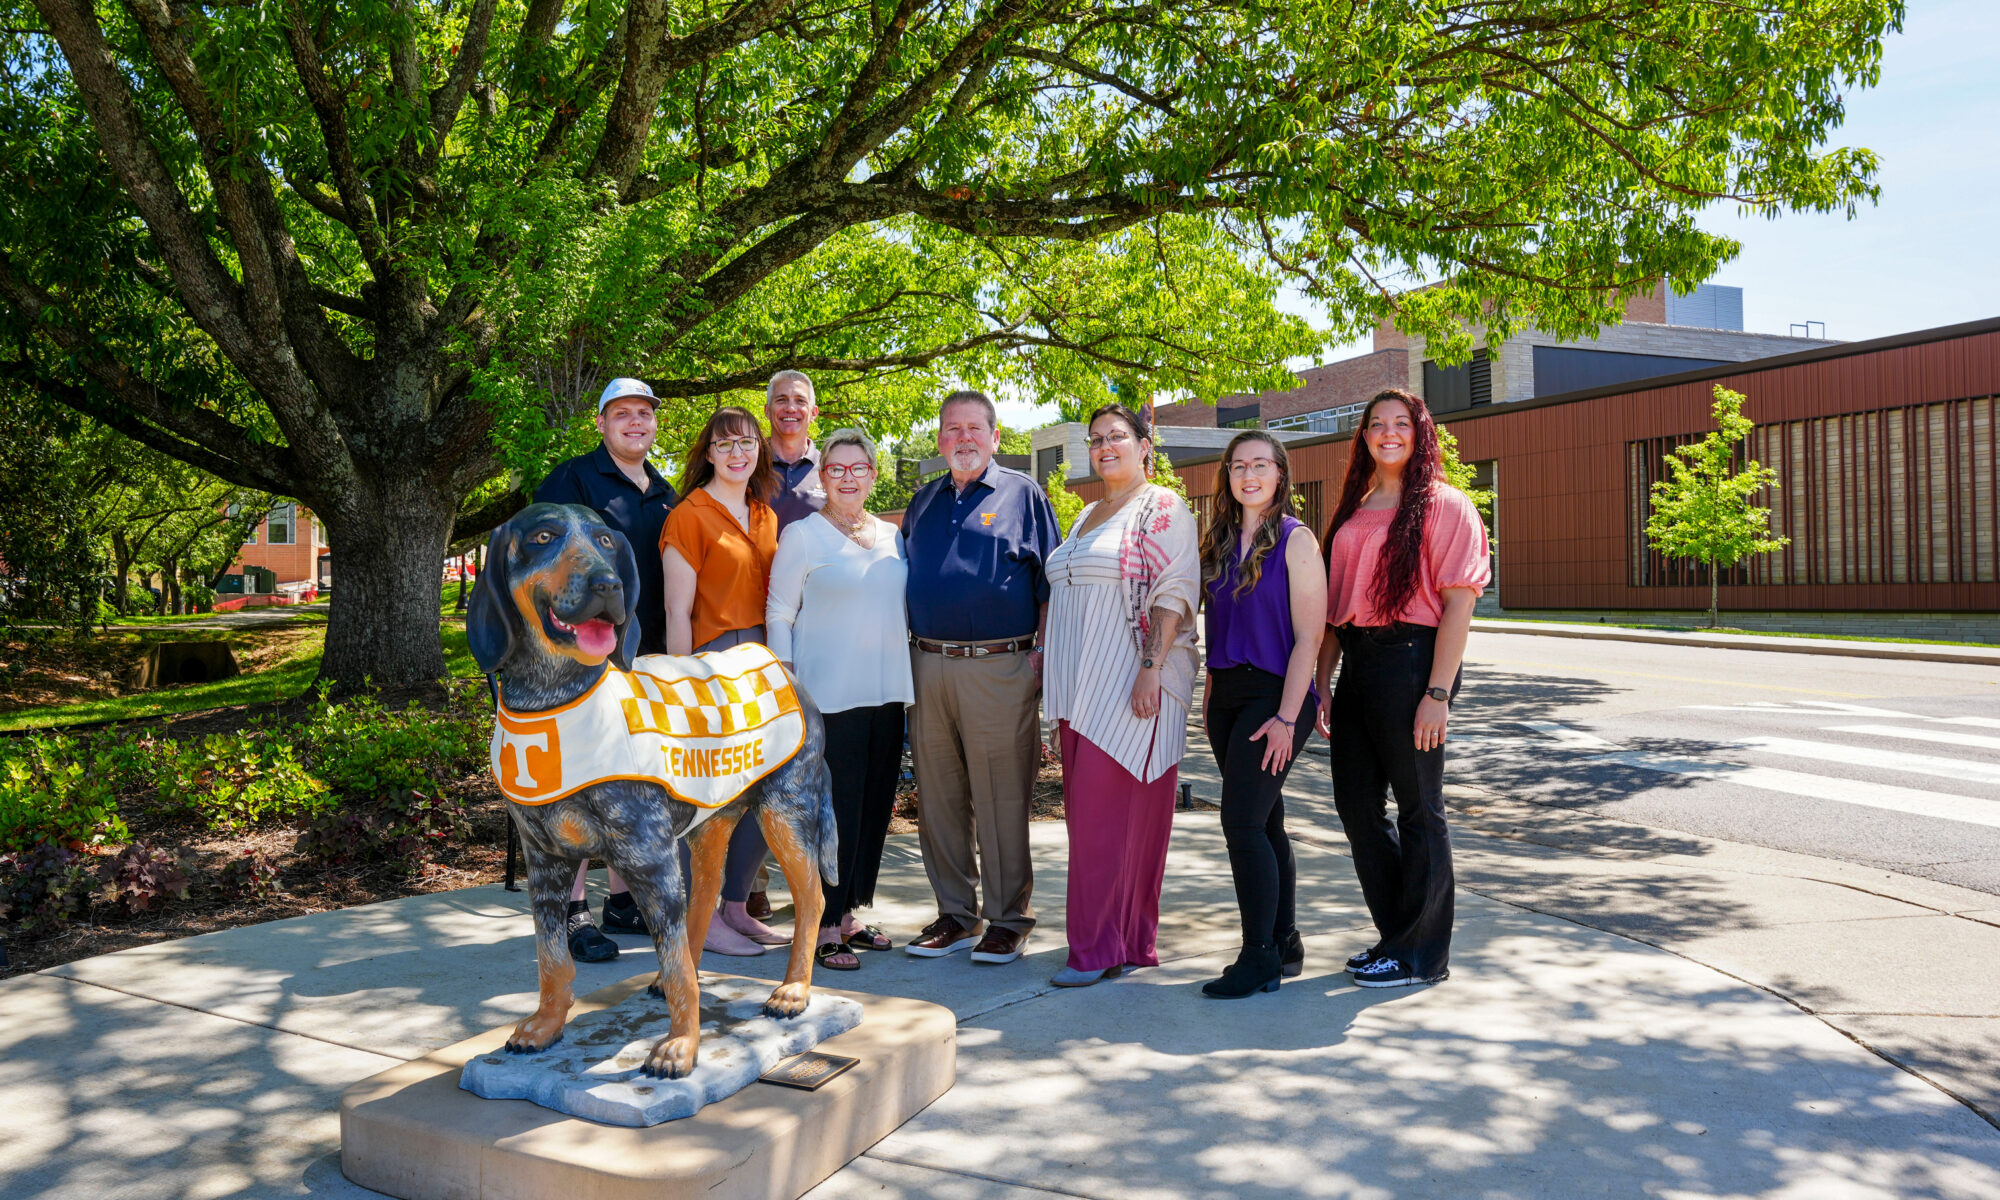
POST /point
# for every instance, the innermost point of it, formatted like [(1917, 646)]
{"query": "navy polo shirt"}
[(977, 557), (800, 493), (594, 481)]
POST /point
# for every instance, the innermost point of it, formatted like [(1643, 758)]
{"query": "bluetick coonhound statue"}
[(607, 757)]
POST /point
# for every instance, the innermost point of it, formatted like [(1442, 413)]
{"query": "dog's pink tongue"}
[(596, 637)]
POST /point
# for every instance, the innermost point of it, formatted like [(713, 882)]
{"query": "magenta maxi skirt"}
[(1118, 830)]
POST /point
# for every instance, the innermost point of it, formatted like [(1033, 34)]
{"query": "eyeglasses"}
[(1259, 467), (845, 471), (742, 445), (1120, 438)]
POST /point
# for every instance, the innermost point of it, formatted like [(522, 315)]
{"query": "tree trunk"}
[(388, 545), (1713, 586), (170, 586), (121, 557)]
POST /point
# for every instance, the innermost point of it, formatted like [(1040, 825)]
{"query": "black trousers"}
[(1240, 700), (1405, 862), (864, 754)]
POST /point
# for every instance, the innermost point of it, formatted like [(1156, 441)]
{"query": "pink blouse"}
[(1455, 555)]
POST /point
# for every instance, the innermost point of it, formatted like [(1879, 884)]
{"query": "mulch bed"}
[(311, 888), (307, 887)]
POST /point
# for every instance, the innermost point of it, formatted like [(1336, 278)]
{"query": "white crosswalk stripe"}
[(1981, 722), (1946, 737), (1963, 769), (1914, 801)]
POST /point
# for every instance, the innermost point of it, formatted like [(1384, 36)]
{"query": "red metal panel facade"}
[(1888, 456)]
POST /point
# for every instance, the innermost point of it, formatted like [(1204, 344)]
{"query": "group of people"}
[(977, 619)]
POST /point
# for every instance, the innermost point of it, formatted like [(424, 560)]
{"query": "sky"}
[(1927, 253)]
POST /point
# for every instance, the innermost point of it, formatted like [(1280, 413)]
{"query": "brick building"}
[(292, 546), (1888, 460), (1662, 334)]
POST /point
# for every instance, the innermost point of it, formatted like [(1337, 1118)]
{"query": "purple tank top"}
[(1255, 627)]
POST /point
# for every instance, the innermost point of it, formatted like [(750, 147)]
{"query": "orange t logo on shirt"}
[(986, 518)]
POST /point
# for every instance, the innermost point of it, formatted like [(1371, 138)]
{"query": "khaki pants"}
[(975, 744)]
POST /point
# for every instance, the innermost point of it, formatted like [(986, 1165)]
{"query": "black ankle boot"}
[(1291, 952), (1255, 970)]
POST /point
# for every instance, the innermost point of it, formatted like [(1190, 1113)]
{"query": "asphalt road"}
[(1883, 763)]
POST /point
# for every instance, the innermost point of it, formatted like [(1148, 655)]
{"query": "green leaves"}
[(1703, 509)]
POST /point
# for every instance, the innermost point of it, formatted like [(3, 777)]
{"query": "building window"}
[(1047, 460), (281, 525), (1568, 369), (1453, 389), (1325, 420), (236, 510)]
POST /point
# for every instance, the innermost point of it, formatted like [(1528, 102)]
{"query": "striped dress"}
[(1093, 660)]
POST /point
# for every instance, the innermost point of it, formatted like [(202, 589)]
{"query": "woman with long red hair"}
[(1406, 559)]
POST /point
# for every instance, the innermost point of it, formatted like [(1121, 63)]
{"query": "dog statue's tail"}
[(829, 833)]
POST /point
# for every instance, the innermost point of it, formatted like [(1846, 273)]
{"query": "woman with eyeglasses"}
[(1266, 598), (1406, 559), (718, 544), (836, 617), (1117, 685)]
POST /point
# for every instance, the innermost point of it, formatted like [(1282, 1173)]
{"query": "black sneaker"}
[(586, 944), (1357, 961), (1393, 972), (623, 917)]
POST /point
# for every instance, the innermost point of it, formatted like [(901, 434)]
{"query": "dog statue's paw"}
[(673, 1057), (654, 989), (788, 1000), (535, 1034)]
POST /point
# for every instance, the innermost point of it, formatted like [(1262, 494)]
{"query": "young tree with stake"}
[(1703, 510)]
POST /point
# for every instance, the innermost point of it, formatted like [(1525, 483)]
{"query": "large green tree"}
[(378, 254)]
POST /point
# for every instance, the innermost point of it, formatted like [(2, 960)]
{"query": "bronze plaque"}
[(807, 1071)]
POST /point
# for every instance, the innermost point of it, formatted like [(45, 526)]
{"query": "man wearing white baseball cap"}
[(621, 485)]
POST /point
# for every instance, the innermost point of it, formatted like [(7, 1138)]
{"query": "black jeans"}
[(864, 754), (1404, 863), (1240, 700)]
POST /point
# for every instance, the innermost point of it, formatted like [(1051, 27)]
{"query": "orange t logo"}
[(530, 757), (986, 518)]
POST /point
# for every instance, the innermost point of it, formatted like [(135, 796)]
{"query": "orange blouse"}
[(732, 567)]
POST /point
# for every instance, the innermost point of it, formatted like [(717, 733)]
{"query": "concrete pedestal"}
[(413, 1133)]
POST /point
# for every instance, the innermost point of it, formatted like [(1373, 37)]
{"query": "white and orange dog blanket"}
[(705, 726)]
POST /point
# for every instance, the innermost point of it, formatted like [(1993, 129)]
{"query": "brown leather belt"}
[(973, 650)]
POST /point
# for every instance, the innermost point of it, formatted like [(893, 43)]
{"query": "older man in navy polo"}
[(976, 541), (619, 483)]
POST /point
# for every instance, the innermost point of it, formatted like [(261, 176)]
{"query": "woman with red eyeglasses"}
[(1406, 559)]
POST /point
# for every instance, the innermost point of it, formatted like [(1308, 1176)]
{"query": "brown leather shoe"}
[(758, 905), (999, 946), (941, 937)]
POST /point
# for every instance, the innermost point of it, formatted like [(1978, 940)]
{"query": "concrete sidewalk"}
[(1846, 647), (1559, 1060)]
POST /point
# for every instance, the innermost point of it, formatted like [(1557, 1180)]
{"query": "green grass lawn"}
[(282, 680), (316, 610)]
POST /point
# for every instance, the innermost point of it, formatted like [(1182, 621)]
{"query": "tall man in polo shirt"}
[(616, 480), (976, 541), (789, 408)]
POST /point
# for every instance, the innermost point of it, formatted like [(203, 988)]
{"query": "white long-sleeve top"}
[(836, 612)]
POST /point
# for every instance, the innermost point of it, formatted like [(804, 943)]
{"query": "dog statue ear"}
[(489, 616), (628, 575)]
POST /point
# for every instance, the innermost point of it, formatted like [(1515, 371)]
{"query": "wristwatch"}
[(1438, 693), (1147, 664)]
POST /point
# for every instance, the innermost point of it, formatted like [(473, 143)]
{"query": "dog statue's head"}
[(558, 583)]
